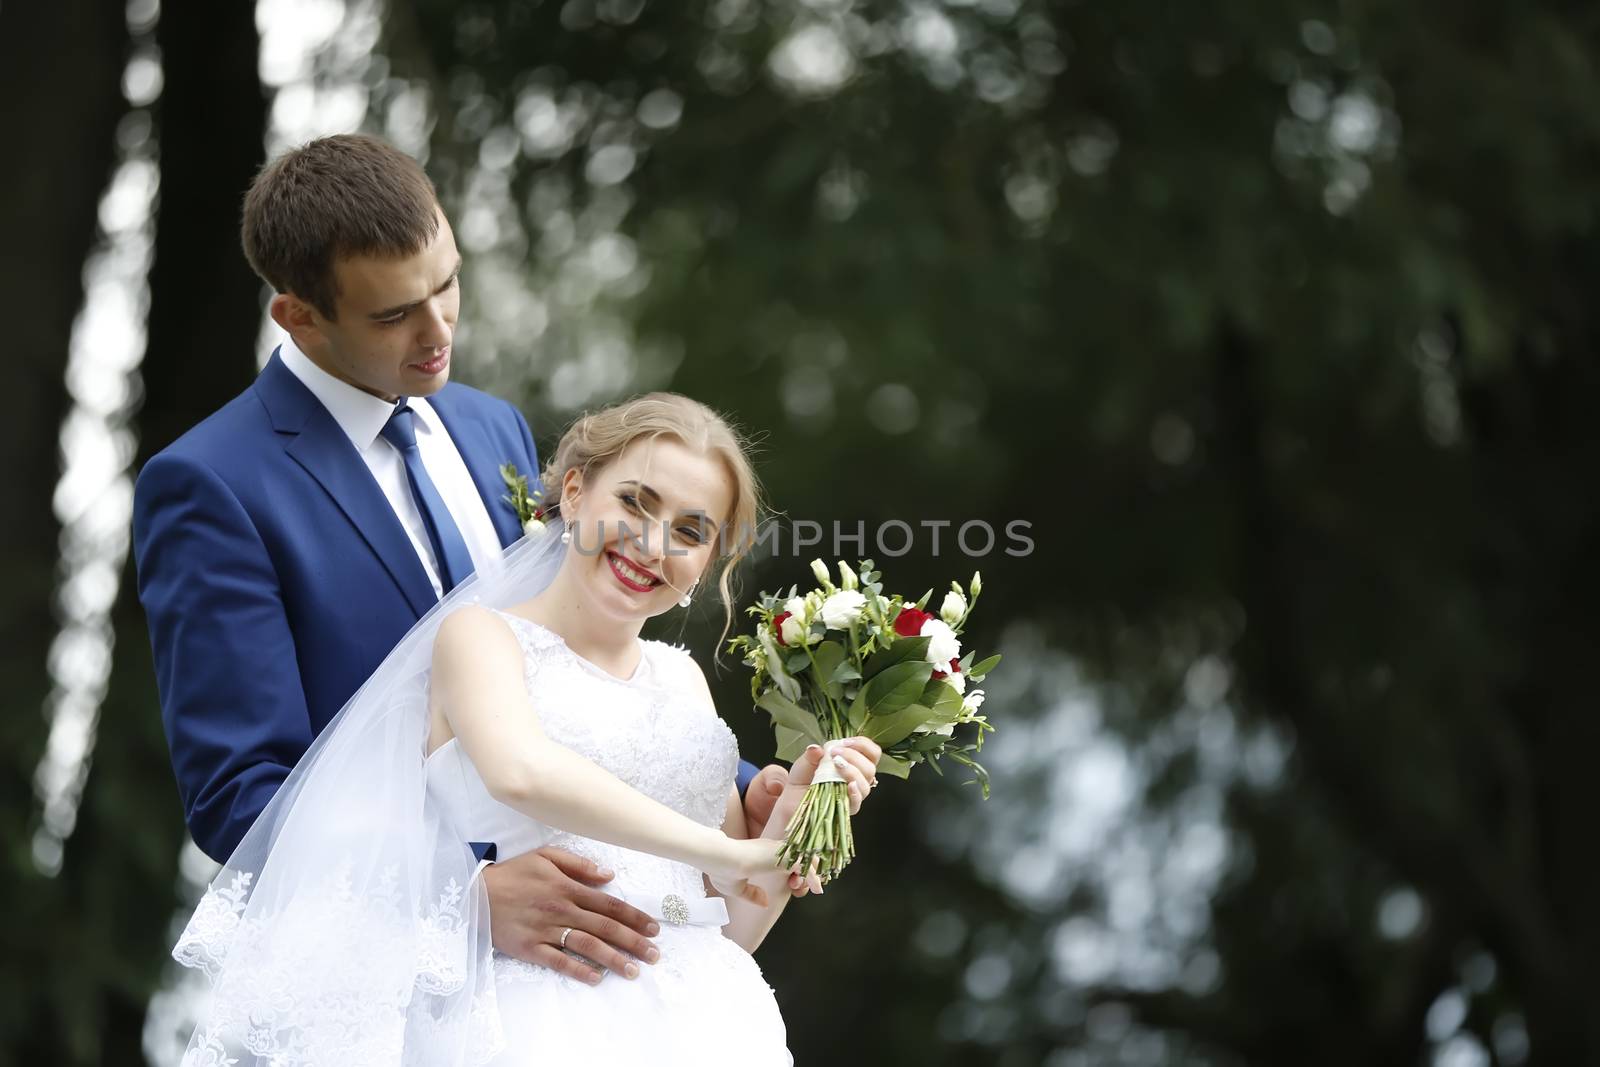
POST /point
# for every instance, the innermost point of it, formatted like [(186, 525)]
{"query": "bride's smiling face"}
[(644, 526)]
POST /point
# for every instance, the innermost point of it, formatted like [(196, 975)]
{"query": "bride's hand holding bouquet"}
[(754, 869)]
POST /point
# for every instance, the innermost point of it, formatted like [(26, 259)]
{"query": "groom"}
[(287, 543)]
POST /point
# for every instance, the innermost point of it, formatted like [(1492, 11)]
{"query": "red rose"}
[(777, 627), (955, 668), (909, 622)]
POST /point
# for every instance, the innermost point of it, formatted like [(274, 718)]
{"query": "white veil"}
[(347, 927)]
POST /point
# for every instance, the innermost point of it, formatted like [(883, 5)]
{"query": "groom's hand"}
[(536, 897), (761, 796)]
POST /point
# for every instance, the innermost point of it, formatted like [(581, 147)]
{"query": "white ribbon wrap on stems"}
[(827, 770)]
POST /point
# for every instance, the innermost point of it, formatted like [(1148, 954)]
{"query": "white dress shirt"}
[(362, 417)]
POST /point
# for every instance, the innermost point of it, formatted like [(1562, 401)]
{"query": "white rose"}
[(954, 606), (820, 569), (943, 645), (797, 607), (842, 608), (533, 527), (794, 632), (957, 680)]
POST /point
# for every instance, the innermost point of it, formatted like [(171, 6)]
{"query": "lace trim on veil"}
[(302, 998), (347, 927)]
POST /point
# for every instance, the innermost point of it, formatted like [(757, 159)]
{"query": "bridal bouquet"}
[(844, 660)]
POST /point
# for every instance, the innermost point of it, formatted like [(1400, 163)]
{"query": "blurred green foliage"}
[(1274, 322)]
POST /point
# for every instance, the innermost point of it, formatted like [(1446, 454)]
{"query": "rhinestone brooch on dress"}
[(674, 910)]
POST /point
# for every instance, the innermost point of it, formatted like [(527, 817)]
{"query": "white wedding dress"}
[(705, 1002)]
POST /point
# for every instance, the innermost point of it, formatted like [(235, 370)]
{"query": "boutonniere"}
[(530, 515)]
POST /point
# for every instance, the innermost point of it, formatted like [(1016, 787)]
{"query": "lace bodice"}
[(655, 731)]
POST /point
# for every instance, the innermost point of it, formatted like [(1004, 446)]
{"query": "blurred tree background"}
[(1275, 323)]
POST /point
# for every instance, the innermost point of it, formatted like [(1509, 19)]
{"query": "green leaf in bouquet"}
[(790, 743), (944, 707), (797, 663), (983, 667), (891, 729), (906, 648), (922, 605), (942, 697), (788, 714), (978, 773), (856, 713), (895, 687), (931, 743), (888, 764), (845, 673), (827, 657)]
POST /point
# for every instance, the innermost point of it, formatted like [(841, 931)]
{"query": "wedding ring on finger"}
[(565, 933)]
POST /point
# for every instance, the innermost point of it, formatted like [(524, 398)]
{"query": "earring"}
[(566, 536), (688, 596)]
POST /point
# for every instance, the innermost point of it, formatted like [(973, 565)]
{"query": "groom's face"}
[(395, 320)]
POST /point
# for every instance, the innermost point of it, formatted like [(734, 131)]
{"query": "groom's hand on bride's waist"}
[(536, 898)]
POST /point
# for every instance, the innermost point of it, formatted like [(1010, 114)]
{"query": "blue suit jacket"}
[(276, 577)]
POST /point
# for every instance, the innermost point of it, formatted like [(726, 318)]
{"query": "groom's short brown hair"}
[(348, 195)]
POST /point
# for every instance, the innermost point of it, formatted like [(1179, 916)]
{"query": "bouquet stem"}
[(819, 831)]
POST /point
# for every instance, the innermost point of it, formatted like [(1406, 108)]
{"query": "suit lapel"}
[(318, 444), (478, 453)]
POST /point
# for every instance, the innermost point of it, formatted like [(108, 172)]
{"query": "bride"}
[(350, 926)]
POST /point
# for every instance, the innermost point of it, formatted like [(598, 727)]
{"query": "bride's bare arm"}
[(749, 922), (478, 687)]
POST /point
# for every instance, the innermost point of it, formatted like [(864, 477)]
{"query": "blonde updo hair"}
[(601, 436)]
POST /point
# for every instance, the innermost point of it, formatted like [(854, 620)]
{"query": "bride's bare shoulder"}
[(472, 631)]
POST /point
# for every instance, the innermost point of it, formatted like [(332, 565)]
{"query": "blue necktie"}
[(449, 550)]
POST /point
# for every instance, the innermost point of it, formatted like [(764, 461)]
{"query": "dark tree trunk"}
[(205, 304), (205, 315), (112, 902), (71, 54), (60, 102)]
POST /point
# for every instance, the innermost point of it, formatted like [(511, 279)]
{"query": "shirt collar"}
[(359, 414)]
